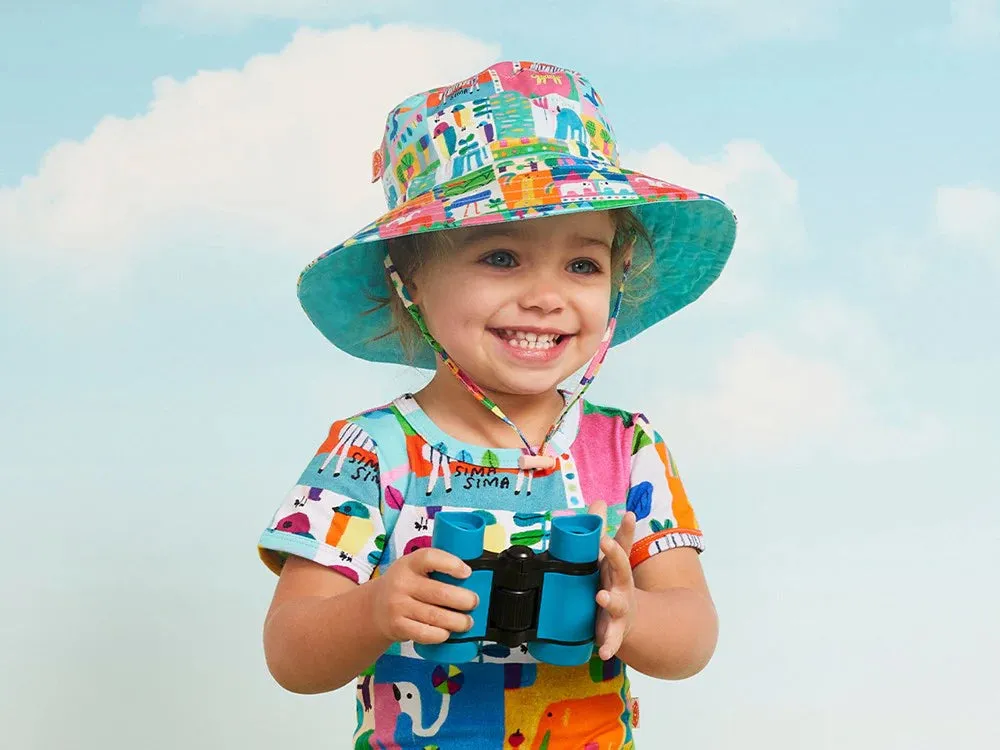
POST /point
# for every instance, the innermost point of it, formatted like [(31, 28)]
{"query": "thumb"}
[(600, 508)]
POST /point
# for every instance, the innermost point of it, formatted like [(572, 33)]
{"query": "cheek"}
[(456, 308), (596, 309)]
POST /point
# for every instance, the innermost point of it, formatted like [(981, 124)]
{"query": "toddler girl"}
[(516, 251)]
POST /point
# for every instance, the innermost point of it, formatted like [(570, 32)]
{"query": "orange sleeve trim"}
[(640, 549)]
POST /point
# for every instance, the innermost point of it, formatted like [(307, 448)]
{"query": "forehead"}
[(584, 227)]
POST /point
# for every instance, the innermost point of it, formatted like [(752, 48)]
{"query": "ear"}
[(413, 289)]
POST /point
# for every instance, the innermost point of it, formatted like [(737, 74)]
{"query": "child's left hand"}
[(616, 599)]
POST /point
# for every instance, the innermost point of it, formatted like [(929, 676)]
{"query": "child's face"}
[(521, 306)]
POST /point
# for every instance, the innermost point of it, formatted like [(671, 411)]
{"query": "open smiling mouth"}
[(534, 344)]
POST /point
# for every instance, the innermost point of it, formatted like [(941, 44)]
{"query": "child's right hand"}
[(409, 605)]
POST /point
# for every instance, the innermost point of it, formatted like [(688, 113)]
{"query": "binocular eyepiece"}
[(545, 600)]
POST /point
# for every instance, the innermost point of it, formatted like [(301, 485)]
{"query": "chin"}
[(525, 387), (495, 370), (516, 381)]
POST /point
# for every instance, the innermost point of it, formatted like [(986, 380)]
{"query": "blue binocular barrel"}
[(576, 539), (569, 602), (461, 534)]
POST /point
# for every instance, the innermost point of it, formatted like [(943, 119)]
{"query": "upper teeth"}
[(529, 340)]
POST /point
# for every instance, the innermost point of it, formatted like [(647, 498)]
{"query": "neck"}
[(456, 411)]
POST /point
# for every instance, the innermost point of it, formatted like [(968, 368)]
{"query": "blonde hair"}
[(411, 252)]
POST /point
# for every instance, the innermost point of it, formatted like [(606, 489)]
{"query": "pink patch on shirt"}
[(603, 454)]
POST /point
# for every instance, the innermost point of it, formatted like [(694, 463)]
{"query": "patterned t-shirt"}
[(370, 495)]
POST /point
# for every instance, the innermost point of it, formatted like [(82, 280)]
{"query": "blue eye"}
[(500, 259), (584, 266)]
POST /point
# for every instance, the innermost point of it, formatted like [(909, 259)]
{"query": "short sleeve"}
[(664, 516), (333, 514)]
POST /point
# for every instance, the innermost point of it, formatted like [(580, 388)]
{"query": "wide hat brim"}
[(692, 237)]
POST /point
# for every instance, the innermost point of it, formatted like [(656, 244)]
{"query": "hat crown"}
[(464, 129)]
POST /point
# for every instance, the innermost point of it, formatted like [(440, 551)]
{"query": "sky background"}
[(167, 169)]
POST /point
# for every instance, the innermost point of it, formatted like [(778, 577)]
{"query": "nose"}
[(543, 294)]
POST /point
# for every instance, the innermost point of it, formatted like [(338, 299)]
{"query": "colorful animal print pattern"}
[(516, 139), (370, 495)]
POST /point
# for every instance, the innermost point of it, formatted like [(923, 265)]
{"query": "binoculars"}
[(546, 600)]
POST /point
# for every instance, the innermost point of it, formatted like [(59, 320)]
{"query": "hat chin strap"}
[(532, 459)]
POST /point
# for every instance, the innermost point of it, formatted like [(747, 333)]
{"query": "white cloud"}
[(773, 399), (771, 396), (969, 218), (811, 377), (974, 21), (276, 155), (764, 197)]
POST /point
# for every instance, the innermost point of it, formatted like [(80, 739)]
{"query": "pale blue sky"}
[(832, 403)]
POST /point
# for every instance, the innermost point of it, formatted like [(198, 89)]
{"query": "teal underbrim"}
[(692, 241)]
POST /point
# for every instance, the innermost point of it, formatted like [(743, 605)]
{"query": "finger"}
[(606, 578), (601, 629), (608, 545), (615, 603), (613, 636), (600, 508), (612, 640), (441, 594), (618, 564), (626, 532), (421, 632), (438, 617), (619, 556), (434, 560)]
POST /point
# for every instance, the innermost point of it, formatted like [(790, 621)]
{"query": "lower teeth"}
[(547, 345)]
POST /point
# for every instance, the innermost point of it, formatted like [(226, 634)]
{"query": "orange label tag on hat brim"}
[(378, 164)]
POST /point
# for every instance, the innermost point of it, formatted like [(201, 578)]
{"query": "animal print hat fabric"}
[(519, 140)]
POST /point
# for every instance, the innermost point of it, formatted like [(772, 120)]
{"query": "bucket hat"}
[(518, 140)]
